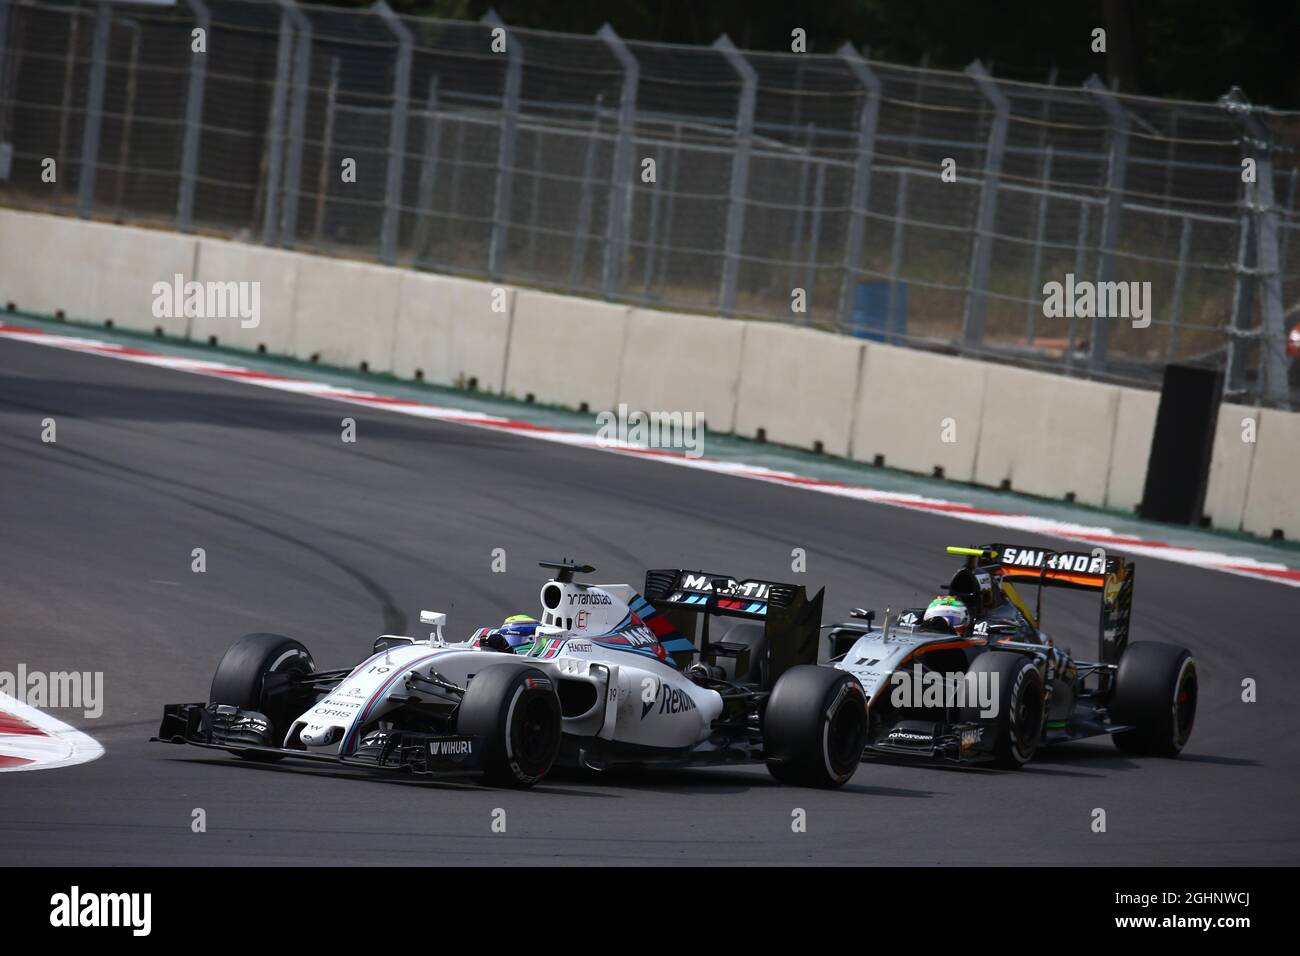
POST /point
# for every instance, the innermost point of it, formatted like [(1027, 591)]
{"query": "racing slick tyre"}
[(251, 677), (1022, 705), (815, 726), (1155, 691), (514, 711), (751, 634)]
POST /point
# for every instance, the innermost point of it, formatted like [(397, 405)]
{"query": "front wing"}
[(244, 732)]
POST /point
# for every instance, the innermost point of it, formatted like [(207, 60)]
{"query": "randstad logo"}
[(208, 300)]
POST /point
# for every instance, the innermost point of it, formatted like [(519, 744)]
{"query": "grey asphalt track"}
[(334, 543)]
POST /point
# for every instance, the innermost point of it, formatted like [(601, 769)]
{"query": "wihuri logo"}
[(925, 688), (56, 689), (683, 430), (208, 300), (74, 908), (1100, 300)]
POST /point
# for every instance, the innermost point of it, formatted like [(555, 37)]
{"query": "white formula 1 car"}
[(604, 677)]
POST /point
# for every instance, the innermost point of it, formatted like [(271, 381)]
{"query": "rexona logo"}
[(77, 909), (670, 701), (1029, 558), (755, 590)]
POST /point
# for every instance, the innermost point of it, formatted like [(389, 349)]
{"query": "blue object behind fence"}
[(870, 312)]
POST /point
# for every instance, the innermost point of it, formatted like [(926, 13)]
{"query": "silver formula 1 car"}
[(1003, 688), (604, 677)]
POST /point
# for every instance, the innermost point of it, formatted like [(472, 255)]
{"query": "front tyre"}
[(514, 711), (1018, 726), (1155, 692), (815, 726), (258, 674)]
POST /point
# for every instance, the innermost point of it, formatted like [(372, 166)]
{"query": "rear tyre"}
[(514, 712), (815, 726), (1018, 726), (255, 675), (1155, 691)]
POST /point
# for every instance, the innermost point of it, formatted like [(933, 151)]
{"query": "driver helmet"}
[(950, 610), (518, 630)]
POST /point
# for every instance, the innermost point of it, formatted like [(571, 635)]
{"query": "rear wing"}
[(791, 619), (1097, 571)]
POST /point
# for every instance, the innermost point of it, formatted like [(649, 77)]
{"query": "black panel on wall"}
[(1179, 468)]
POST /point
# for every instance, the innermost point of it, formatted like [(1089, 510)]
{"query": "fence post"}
[(578, 251), (1040, 233), (275, 133), (739, 171), (861, 193), (94, 109), (297, 123), (428, 171), (326, 154), (1262, 219), (982, 246), (618, 221), (1180, 279), (1112, 215), (396, 134), (505, 151), (193, 120), (1243, 301), (5, 97)]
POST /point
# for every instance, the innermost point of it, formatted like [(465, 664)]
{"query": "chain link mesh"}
[(520, 180)]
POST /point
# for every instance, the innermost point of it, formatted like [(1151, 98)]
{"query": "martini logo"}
[(755, 590)]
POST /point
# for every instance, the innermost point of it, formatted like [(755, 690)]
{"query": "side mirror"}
[(436, 620), (863, 614)]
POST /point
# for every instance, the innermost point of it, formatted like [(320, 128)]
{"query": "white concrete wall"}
[(687, 363), (276, 273), (920, 411), (1130, 450), (1047, 435), (1273, 492), (798, 386), (566, 351), (452, 331), (345, 313), (1231, 458), (91, 271)]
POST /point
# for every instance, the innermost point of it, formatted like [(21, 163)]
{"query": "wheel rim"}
[(844, 735), (535, 733), (1185, 693), (1028, 720)]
